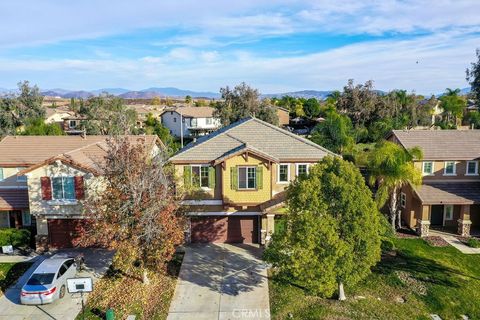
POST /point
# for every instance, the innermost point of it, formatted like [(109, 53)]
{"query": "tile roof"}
[(13, 199), (442, 144), (449, 193), (194, 112), (251, 133), (34, 150)]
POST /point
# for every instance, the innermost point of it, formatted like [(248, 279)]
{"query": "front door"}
[(436, 216)]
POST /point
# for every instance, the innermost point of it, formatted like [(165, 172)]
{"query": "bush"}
[(474, 243), (387, 245), (14, 237)]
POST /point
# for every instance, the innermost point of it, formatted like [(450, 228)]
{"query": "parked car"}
[(48, 282)]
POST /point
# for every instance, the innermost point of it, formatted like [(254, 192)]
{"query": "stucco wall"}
[(10, 178), (439, 167), (204, 193)]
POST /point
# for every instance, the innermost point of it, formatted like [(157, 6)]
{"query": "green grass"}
[(474, 243), (451, 280), (10, 272)]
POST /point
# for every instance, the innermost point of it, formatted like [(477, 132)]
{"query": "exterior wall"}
[(57, 117), (10, 179), (283, 117), (203, 193), (413, 208), (439, 167), (171, 120), (246, 196)]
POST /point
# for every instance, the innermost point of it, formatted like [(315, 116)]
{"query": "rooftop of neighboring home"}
[(85, 152), (193, 112), (442, 144), (51, 111), (256, 136)]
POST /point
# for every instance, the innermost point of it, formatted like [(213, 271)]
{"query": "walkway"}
[(453, 241), (221, 281)]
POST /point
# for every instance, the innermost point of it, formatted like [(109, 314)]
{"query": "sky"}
[(275, 46)]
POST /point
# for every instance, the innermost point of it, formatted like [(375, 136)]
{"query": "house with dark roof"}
[(449, 197), (236, 177), (190, 121), (44, 180)]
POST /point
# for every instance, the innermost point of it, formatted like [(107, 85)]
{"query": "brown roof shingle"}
[(449, 193), (442, 144), (13, 199), (194, 112)]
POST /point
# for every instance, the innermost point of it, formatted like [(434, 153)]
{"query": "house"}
[(143, 111), (190, 121), (235, 179), (56, 115), (449, 197), (283, 116), (46, 179), (72, 125)]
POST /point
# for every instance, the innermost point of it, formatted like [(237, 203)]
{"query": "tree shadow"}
[(223, 268)]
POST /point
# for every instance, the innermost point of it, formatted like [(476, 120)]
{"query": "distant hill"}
[(307, 94), (114, 91)]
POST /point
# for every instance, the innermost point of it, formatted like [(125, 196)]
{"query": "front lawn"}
[(10, 272), (127, 295), (418, 281)]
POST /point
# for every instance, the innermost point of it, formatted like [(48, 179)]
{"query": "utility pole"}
[(181, 129)]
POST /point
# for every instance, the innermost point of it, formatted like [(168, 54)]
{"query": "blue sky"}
[(276, 46)]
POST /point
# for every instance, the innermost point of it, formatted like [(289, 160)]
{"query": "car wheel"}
[(62, 292)]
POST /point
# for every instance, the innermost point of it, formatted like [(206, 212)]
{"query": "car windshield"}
[(41, 279)]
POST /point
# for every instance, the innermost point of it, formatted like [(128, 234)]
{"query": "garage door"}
[(224, 229), (62, 232)]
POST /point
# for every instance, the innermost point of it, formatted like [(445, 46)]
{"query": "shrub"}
[(14, 237), (387, 244), (474, 243)]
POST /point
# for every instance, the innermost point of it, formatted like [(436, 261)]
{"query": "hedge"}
[(14, 237)]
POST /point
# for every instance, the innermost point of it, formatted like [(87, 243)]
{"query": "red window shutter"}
[(46, 188), (79, 188)]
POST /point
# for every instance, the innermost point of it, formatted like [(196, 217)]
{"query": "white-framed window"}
[(302, 168), (63, 188), (283, 173), (26, 218), (193, 122), (72, 124), (247, 177), (200, 176), (1, 174), (22, 178), (450, 168), (448, 212), (403, 200), (427, 168), (472, 168), (208, 121)]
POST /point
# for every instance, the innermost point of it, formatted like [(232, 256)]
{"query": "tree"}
[(473, 78), (333, 229), (311, 108), (38, 127), (241, 102), (156, 101), (359, 102), (391, 166), (153, 126), (453, 105), (473, 118), (134, 211), (188, 99), (335, 133)]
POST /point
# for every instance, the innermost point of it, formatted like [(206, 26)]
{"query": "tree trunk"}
[(393, 208), (145, 279), (399, 219), (341, 293)]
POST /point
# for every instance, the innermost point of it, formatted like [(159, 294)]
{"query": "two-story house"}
[(56, 174), (449, 197), (190, 121), (236, 177)]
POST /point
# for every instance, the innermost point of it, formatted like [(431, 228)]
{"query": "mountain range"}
[(176, 93)]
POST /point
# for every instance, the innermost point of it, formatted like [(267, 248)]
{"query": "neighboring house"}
[(238, 175), (72, 125), (58, 171), (283, 116), (13, 195), (56, 115), (143, 111), (192, 121), (449, 197)]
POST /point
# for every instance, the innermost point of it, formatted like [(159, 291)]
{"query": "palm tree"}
[(391, 166)]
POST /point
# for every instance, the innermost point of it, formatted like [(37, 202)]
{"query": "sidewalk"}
[(453, 241)]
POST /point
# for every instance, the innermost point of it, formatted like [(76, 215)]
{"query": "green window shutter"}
[(233, 178), (259, 177), (211, 177), (187, 175)]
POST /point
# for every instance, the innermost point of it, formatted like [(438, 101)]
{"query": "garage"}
[(220, 229), (62, 232)]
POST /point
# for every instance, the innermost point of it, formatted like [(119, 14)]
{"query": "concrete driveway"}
[(221, 281), (96, 261)]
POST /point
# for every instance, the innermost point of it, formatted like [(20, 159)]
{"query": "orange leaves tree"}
[(133, 208)]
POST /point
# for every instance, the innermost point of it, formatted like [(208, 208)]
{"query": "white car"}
[(48, 282)]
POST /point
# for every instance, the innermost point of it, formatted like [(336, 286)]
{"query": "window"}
[(1, 174), (403, 200), (450, 168), (283, 173), (208, 121), (72, 124), (302, 169), (174, 119), (193, 122), (69, 262), (448, 212), (40, 279), (26, 218), (63, 188), (472, 168), (62, 271), (427, 168), (22, 178), (247, 177), (200, 176)]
